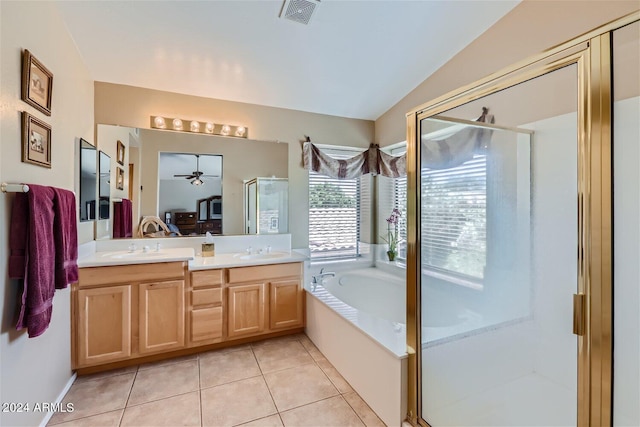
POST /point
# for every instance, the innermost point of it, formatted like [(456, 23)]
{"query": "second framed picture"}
[(120, 153), (120, 178), (36, 141)]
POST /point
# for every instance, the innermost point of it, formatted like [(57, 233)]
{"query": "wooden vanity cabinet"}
[(123, 313), (128, 311), (206, 310), (264, 298)]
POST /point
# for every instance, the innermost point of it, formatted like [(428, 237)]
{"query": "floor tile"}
[(166, 362), (108, 419), (183, 410), (231, 349), (285, 354), (221, 368), (104, 374), (298, 386), (236, 403), (361, 408), (96, 397), (341, 384), (334, 412), (311, 348), (164, 381), (271, 421)]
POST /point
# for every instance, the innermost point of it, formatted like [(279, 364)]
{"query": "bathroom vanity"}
[(134, 309)]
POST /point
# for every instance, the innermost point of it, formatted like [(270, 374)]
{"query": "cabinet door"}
[(246, 308), (161, 316), (104, 324), (285, 304)]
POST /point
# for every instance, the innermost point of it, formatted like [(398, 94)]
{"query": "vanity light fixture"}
[(195, 126), (159, 122)]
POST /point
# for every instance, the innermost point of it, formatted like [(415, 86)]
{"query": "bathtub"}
[(358, 321)]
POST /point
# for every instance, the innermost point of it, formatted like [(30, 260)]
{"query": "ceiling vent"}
[(299, 10)]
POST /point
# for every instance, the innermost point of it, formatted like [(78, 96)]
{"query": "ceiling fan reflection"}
[(196, 175)]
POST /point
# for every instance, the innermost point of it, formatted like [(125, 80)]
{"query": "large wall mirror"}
[(105, 186), (225, 163), (88, 180)]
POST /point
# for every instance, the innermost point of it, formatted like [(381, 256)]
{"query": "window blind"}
[(454, 203), (400, 203)]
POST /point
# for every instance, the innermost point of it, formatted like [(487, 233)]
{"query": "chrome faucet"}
[(319, 278)]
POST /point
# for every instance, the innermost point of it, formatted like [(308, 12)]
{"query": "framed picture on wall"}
[(120, 178), (36, 141), (37, 83), (120, 153)]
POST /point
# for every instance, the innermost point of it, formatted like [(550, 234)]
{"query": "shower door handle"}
[(579, 307)]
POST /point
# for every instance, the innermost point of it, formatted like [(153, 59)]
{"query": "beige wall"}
[(530, 28), (132, 106), (37, 369), (241, 160)]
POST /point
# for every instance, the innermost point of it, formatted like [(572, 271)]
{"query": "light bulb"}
[(159, 122), (177, 124), (226, 129), (197, 181), (195, 126), (208, 127), (240, 131)]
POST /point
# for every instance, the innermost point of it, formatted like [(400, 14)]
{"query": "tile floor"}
[(283, 381)]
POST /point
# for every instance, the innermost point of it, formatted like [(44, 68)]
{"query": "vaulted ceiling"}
[(354, 59)]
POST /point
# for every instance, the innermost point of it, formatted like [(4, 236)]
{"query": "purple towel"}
[(123, 218), (65, 234), (32, 234)]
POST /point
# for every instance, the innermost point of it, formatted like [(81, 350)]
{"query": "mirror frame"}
[(104, 186), (90, 208)]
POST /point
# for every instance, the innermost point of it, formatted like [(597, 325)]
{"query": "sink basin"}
[(138, 254), (263, 256)]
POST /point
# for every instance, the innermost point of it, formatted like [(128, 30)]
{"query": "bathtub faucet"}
[(319, 278)]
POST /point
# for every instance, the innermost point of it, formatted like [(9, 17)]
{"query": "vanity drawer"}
[(206, 324), (206, 296), (264, 272), (201, 279)]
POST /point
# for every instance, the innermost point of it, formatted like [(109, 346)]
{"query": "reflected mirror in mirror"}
[(88, 180), (188, 183), (105, 182)]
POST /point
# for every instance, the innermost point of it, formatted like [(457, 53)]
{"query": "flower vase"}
[(391, 255)]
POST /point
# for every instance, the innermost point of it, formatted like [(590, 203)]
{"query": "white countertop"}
[(243, 260), (111, 258)]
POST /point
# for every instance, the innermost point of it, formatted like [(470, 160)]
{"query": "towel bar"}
[(14, 188)]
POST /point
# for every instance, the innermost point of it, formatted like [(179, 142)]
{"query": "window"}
[(399, 187), (454, 220), (334, 214)]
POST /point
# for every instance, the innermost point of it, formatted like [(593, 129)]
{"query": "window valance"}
[(440, 152)]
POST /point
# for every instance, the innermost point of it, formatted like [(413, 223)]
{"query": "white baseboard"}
[(61, 396)]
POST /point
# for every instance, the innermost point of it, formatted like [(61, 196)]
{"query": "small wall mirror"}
[(105, 189), (88, 180)]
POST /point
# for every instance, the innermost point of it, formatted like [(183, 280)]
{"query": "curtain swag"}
[(441, 153)]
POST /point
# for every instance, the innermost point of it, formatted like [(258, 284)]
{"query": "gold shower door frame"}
[(591, 53)]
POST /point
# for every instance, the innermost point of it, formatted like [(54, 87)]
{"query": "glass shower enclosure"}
[(266, 205)]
